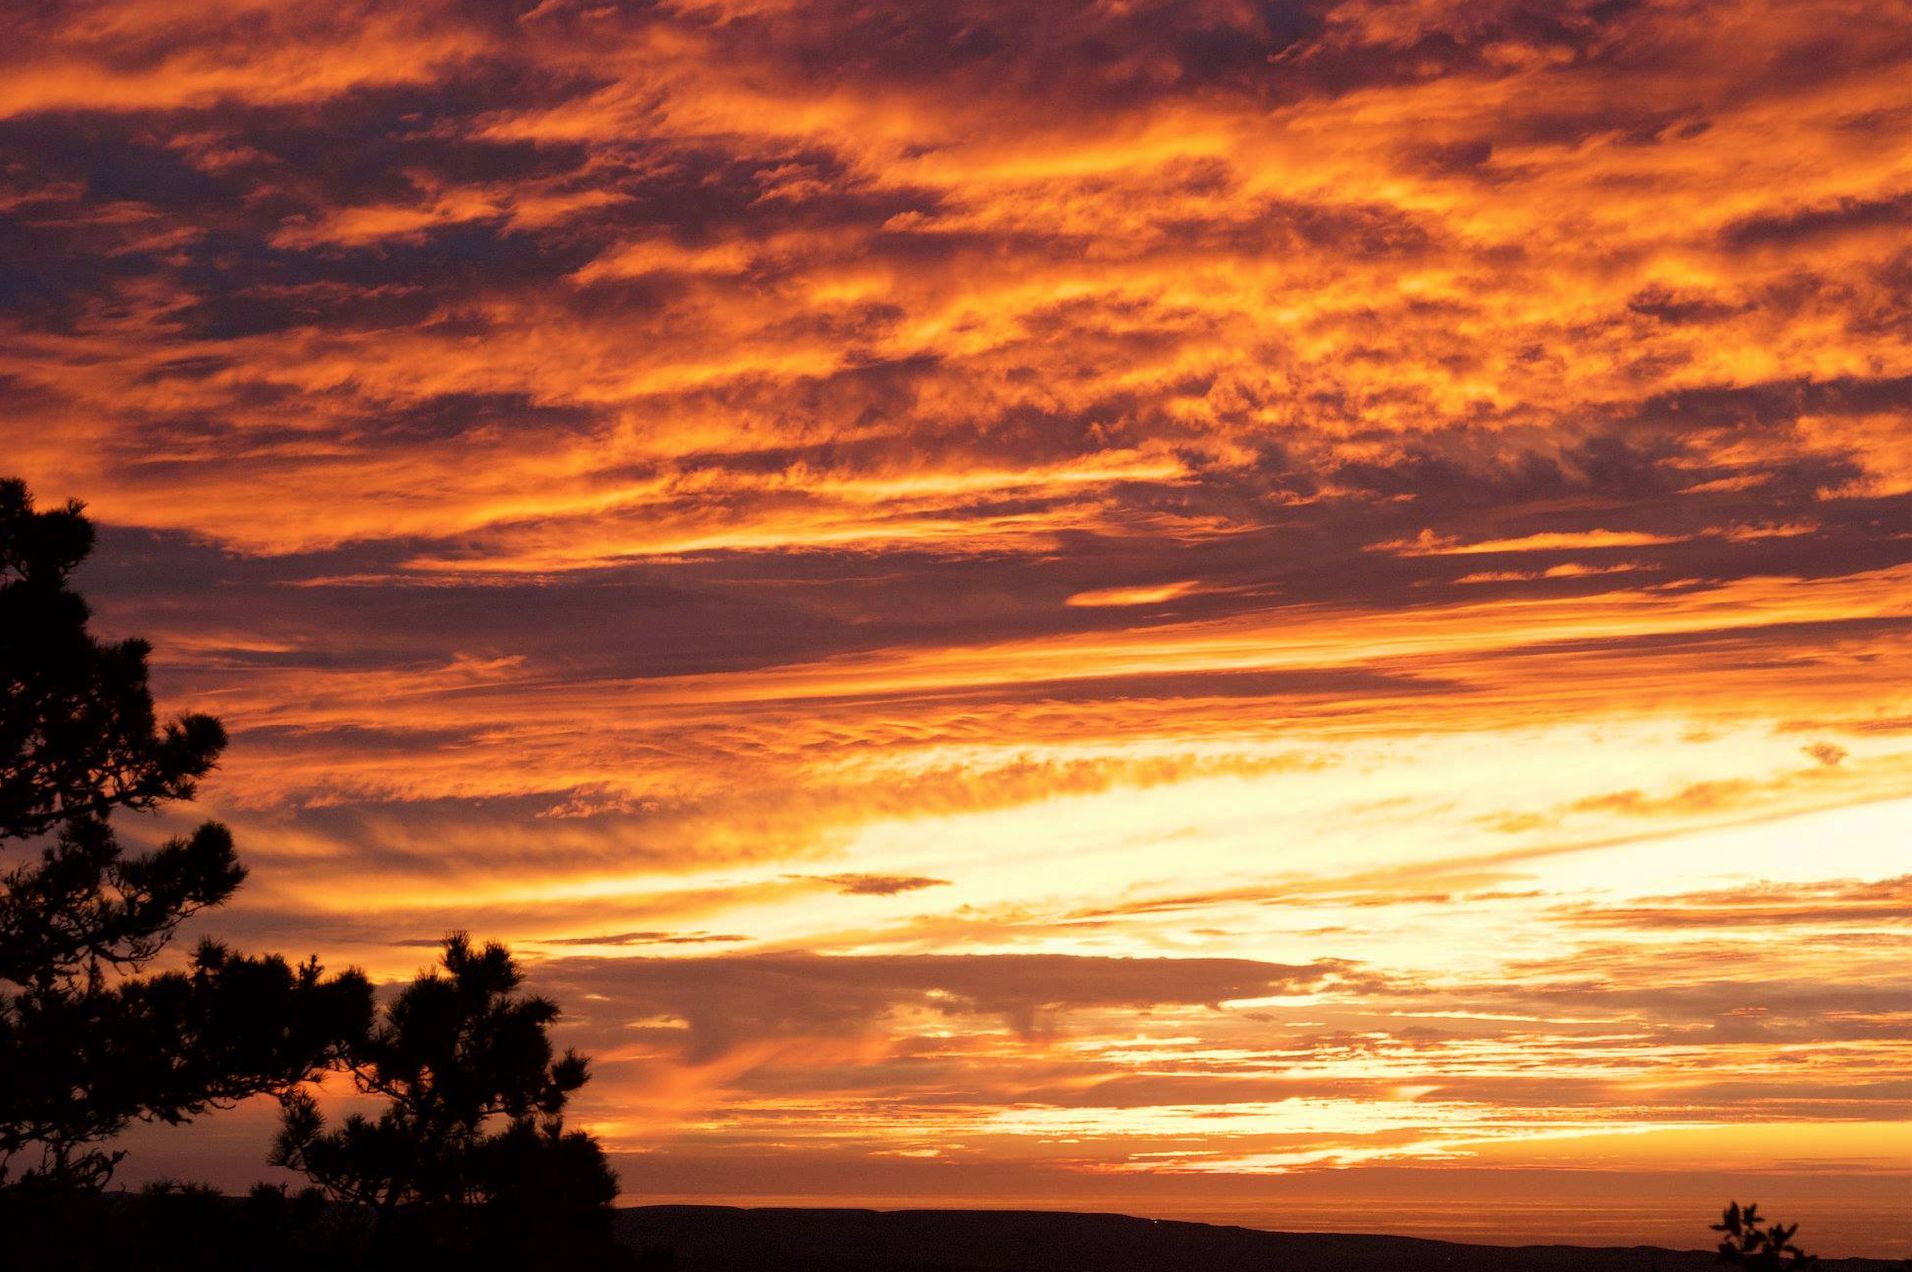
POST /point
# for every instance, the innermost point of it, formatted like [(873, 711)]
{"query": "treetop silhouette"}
[(78, 732), (472, 1138)]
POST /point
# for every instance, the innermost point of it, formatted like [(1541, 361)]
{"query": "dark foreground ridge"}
[(725, 1238)]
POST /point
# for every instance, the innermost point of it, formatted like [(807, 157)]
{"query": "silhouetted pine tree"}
[(87, 1043), (470, 1154)]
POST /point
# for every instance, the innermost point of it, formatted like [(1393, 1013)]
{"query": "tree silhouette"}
[(88, 1044), (470, 1150)]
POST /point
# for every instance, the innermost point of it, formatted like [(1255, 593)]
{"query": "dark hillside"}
[(723, 1239)]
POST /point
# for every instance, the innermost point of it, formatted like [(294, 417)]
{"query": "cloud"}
[(726, 1003), (1839, 217), (1143, 487), (1842, 903), (1145, 595), (1830, 754), (646, 938), (874, 885), (1427, 543)]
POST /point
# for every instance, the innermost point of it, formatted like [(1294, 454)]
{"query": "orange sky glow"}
[(1272, 610)]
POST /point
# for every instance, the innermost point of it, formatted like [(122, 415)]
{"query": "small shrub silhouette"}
[(1748, 1245)]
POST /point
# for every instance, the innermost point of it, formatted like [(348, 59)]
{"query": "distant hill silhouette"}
[(727, 1239)]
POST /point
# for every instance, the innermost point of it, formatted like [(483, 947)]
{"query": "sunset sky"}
[(1280, 611)]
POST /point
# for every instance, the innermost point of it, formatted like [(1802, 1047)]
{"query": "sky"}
[(1288, 611)]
